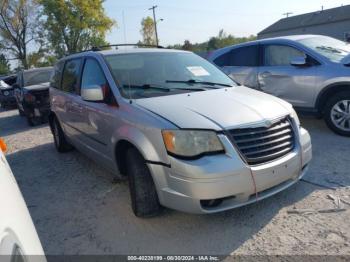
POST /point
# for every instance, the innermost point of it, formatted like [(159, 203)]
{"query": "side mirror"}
[(93, 93), (298, 61)]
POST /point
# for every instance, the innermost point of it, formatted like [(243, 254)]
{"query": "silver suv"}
[(179, 129), (312, 72)]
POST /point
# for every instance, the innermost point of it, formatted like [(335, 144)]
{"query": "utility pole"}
[(155, 22), (287, 14)]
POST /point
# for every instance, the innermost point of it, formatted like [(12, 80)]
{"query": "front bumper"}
[(226, 180)]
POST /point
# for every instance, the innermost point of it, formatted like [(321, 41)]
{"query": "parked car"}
[(182, 132), (32, 94), (19, 240), (7, 98), (312, 72)]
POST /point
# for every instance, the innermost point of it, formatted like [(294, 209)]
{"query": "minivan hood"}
[(217, 109)]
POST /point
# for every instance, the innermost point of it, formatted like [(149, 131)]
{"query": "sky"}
[(198, 20)]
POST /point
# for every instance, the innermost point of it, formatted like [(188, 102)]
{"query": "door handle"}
[(265, 74)]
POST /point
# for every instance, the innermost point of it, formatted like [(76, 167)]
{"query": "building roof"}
[(310, 19)]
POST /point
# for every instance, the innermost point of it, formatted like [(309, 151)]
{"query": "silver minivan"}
[(182, 132), (312, 72)]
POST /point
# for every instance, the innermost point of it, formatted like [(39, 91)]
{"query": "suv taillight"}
[(29, 97)]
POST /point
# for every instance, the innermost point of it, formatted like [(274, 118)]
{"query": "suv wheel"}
[(21, 112), (144, 198), (33, 121), (337, 113), (59, 138)]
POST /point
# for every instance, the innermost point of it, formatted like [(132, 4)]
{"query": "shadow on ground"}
[(13, 124), (77, 209)]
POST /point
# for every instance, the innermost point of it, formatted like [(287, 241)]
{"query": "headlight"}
[(191, 143), (295, 117), (6, 93)]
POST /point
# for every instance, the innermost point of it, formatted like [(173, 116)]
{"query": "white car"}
[(19, 240)]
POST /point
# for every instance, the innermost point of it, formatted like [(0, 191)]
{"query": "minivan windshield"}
[(333, 49), (149, 74)]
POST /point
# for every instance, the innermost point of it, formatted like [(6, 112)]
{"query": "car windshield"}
[(36, 77), (335, 50), (149, 74)]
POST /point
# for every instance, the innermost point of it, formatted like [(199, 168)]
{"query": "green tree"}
[(19, 25), (187, 45), (4, 65), (221, 40), (41, 58), (75, 25), (147, 31)]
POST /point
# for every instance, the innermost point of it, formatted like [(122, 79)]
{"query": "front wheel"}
[(337, 113), (144, 198)]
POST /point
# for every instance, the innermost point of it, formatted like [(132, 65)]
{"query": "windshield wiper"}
[(193, 81), (167, 89), (147, 86), (330, 49)]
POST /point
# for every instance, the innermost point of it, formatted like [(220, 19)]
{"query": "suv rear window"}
[(242, 56), (36, 77), (71, 76)]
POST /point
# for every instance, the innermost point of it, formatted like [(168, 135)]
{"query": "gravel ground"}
[(77, 209)]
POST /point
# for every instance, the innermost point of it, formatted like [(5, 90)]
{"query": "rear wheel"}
[(21, 112), (33, 121), (59, 138), (337, 113), (144, 198)]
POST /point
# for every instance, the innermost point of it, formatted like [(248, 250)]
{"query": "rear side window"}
[(243, 56), (222, 60), (56, 78), (280, 55), (71, 76)]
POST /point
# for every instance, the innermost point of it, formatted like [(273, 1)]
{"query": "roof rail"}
[(99, 48)]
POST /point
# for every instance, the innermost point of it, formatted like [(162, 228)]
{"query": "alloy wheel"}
[(340, 115)]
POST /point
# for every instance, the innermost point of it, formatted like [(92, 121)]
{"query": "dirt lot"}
[(78, 210)]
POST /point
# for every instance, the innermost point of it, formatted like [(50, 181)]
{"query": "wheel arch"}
[(329, 91), (51, 117), (120, 149), (142, 143)]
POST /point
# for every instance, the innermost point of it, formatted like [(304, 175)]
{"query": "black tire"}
[(144, 198), (33, 121), (335, 99), (21, 112), (59, 138)]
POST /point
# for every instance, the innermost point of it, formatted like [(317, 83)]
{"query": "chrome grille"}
[(263, 144)]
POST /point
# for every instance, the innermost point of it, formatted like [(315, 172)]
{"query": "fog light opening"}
[(210, 203)]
